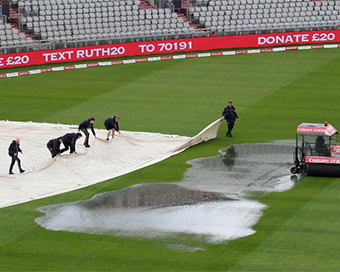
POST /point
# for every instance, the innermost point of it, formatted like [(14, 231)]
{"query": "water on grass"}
[(215, 201)]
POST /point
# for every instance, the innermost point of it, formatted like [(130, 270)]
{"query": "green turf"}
[(273, 93)]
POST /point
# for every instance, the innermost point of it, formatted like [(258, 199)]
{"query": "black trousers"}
[(231, 124), (54, 152), (87, 136), (14, 159), (67, 146)]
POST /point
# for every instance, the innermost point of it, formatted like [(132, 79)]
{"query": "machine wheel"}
[(293, 170)]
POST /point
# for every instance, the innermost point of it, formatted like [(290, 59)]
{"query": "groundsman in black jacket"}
[(111, 125), (69, 141), (84, 126), (13, 152), (54, 146), (230, 114)]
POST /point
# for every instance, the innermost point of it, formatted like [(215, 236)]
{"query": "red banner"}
[(323, 160), (168, 46), (328, 130), (336, 149)]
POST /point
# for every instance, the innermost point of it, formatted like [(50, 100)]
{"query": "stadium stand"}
[(11, 36), (64, 20), (257, 15)]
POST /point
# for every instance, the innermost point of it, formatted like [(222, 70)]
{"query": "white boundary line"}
[(186, 56)]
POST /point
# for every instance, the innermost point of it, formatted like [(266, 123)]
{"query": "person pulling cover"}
[(84, 126), (13, 151), (111, 125), (69, 141), (230, 115), (54, 146)]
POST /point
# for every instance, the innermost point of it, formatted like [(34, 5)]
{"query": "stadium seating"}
[(257, 15), (10, 36), (67, 20)]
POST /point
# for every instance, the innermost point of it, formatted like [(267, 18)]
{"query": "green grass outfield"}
[(273, 93)]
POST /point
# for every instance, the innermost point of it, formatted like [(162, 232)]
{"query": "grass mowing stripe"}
[(297, 233)]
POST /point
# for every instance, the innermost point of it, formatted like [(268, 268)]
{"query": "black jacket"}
[(87, 124), (54, 144), (70, 139), (111, 123), (230, 114), (14, 148)]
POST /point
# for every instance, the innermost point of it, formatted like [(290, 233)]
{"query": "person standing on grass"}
[(13, 152), (69, 141), (111, 125), (84, 126), (230, 115), (54, 146)]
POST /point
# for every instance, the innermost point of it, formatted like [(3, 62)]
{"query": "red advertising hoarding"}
[(168, 46), (322, 160)]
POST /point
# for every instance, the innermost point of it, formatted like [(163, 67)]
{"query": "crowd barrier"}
[(173, 57)]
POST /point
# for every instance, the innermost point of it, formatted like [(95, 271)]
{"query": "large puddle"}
[(213, 202)]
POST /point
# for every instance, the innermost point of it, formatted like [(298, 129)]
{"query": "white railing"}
[(57, 44)]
